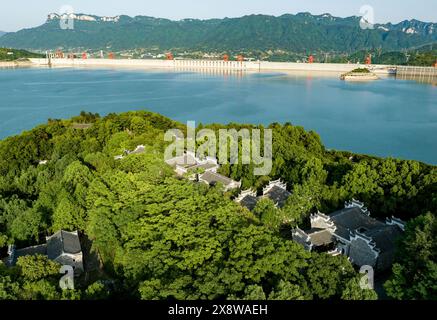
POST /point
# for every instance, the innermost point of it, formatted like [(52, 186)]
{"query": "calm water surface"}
[(390, 117)]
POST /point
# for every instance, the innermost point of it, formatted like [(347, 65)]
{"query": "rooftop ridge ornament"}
[(244, 194), (357, 204), (276, 183)]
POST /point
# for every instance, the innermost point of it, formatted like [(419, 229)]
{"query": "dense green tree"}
[(353, 291), (328, 275), (161, 236), (267, 212), (415, 274), (287, 291), (97, 291), (254, 292), (27, 225), (9, 290), (37, 267)]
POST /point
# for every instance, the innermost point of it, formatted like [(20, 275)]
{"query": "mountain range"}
[(2, 33), (302, 32)]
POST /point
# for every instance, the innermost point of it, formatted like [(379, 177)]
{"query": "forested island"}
[(155, 235)]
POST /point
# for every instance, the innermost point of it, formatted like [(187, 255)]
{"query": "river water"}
[(389, 117)]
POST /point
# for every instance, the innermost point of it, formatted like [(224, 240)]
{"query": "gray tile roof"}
[(351, 219), (206, 166), (302, 237), (249, 202), (313, 238), (278, 195), (211, 178), (184, 161), (62, 242), (29, 251), (320, 237), (385, 237)]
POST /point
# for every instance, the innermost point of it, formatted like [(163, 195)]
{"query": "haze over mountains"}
[(302, 32)]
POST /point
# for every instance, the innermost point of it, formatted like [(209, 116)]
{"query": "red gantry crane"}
[(170, 56), (311, 59), (369, 59), (59, 54)]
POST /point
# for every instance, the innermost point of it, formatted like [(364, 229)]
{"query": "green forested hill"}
[(163, 237), (422, 56), (7, 54), (297, 33)]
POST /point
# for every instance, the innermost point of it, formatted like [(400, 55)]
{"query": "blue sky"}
[(18, 14)]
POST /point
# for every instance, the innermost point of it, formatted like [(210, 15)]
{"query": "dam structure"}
[(253, 66)]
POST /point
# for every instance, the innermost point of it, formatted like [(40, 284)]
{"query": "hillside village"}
[(351, 231)]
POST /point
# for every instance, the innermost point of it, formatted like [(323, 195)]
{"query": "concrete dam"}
[(255, 66)]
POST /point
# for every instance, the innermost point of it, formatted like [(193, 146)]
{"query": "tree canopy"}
[(161, 236)]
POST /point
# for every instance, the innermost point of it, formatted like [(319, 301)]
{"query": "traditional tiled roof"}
[(29, 251), (356, 204), (248, 199), (395, 221), (302, 237), (185, 161), (206, 166), (63, 242), (249, 202), (350, 219), (139, 149), (320, 237), (277, 192), (385, 237), (212, 178), (351, 223), (313, 238), (278, 195)]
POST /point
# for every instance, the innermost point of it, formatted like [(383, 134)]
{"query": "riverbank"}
[(211, 64), (15, 64)]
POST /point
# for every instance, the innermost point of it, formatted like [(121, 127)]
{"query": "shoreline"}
[(15, 64), (358, 76)]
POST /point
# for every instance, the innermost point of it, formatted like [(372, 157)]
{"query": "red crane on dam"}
[(170, 56), (59, 54), (369, 59)]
